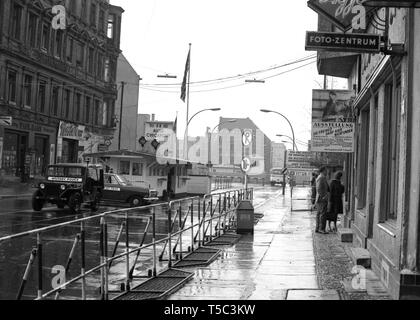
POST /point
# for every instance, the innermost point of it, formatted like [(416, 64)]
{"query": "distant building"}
[(59, 86), (127, 75), (278, 155), (232, 152)]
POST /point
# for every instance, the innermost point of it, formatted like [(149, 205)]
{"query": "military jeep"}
[(73, 185)]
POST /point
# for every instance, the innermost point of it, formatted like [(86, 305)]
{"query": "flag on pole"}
[(184, 82), (175, 125)]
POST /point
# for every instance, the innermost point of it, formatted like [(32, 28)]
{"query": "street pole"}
[(121, 114), (284, 174)]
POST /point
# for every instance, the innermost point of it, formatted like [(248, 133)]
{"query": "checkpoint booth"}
[(142, 169)]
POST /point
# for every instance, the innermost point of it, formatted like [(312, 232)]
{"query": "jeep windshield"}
[(65, 174)]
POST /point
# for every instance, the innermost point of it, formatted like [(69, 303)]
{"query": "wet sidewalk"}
[(277, 263), (283, 260)]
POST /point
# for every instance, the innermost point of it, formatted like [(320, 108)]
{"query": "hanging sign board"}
[(343, 13), (341, 42)]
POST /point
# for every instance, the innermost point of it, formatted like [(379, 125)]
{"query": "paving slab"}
[(313, 295)]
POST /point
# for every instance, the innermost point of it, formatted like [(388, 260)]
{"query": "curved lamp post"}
[(189, 121), (291, 127), (288, 137)]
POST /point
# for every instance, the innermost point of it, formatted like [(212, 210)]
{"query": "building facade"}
[(383, 175), (278, 155), (57, 84), (125, 135)]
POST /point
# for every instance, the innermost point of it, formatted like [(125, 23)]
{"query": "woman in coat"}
[(335, 206)]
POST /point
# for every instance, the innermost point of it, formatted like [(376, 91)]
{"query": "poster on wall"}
[(332, 121)]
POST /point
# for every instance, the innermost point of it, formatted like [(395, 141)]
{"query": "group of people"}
[(328, 198)]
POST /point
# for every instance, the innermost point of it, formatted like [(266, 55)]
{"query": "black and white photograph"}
[(210, 156)]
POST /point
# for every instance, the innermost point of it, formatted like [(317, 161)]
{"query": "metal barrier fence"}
[(75, 260)]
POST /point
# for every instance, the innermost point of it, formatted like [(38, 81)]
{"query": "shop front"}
[(25, 150), (74, 141)]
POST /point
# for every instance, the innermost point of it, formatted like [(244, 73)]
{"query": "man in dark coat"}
[(322, 197), (335, 206)]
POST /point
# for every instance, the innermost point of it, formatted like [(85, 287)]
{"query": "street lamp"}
[(282, 135), (291, 127), (189, 121), (392, 4)]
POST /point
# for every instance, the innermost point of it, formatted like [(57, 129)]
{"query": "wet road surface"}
[(16, 217)]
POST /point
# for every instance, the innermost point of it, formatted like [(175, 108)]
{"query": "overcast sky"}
[(229, 37)]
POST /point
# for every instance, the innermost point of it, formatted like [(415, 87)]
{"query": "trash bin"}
[(245, 217)]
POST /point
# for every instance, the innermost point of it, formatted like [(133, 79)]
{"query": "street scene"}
[(209, 151)]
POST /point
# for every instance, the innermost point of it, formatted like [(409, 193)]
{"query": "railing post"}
[(127, 250), (83, 258), (26, 274), (40, 266), (211, 218), (101, 260), (199, 222), (192, 225), (106, 257), (181, 229), (170, 235), (220, 215), (154, 242)]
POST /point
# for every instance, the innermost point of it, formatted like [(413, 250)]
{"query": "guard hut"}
[(143, 170)]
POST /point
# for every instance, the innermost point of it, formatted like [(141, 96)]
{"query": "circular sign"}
[(246, 165), (247, 138)]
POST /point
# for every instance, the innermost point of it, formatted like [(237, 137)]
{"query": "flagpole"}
[(188, 108)]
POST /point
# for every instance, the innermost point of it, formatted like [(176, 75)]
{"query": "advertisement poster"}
[(332, 121)]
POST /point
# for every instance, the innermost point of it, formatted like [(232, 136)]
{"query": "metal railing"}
[(150, 239)]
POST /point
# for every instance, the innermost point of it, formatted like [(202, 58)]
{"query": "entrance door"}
[(14, 151), (70, 151), (171, 182), (41, 155)]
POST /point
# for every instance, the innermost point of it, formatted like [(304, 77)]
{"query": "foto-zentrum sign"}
[(341, 42)]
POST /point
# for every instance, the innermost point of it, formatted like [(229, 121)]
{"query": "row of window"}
[(57, 100), (39, 34), (137, 170)]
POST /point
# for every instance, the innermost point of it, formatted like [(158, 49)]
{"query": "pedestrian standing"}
[(322, 197), (335, 205), (313, 187)]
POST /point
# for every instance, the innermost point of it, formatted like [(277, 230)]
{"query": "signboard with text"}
[(341, 13), (333, 137), (300, 160), (332, 121), (340, 42)]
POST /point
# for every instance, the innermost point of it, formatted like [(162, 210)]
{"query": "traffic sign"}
[(247, 138), (5, 121), (246, 165)]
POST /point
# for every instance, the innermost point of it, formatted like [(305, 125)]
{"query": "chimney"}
[(153, 117)]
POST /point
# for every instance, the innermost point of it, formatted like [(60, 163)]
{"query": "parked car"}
[(73, 185), (120, 190)]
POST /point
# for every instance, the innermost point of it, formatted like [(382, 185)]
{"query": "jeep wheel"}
[(75, 203), (36, 203), (136, 201)]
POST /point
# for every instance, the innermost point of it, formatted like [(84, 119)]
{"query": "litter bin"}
[(245, 217)]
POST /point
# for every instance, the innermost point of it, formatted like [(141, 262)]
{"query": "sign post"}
[(246, 162)]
